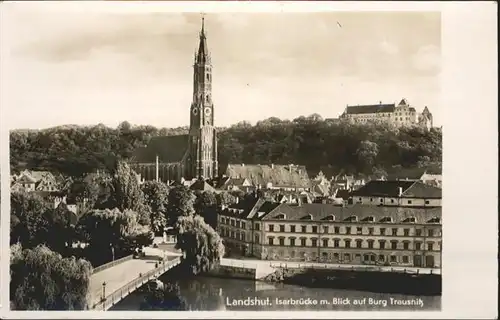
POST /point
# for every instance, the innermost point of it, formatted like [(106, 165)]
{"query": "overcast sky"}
[(89, 68)]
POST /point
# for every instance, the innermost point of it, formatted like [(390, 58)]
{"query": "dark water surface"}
[(217, 294)]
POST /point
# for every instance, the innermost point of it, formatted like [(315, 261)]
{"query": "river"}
[(217, 294)]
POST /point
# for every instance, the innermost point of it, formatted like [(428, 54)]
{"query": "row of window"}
[(353, 230), (382, 200), (337, 229), (348, 243), (235, 223)]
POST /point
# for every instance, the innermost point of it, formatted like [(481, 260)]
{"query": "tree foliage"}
[(156, 197), (43, 280), (112, 233), (30, 227), (311, 141), (201, 245), (34, 222), (206, 206), (163, 296), (180, 203)]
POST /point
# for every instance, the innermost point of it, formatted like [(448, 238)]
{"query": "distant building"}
[(283, 177), (346, 182), (398, 194), (356, 234), (33, 181), (428, 176), (234, 184), (398, 115), (193, 155)]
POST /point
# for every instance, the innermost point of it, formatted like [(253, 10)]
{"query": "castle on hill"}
[(398, 115)]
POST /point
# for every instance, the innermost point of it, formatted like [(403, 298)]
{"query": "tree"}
[(30, 225), (206, 206), (94, 189), (61, 232), (163, 297), (127, 193), (180, 203), (224, 199), (310, 141), (43, 280), (112, 232), (367, 153), (201, 245), (156, 196)]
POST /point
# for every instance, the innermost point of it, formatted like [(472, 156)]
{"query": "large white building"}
[(399, 115)]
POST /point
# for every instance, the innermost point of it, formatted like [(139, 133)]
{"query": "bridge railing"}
[(133, 285), (112, 263)]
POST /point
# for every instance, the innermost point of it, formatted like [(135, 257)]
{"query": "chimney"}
[(242, 164), (272, 165), (400, 191), (237, 199), (380, 102), (156, 168)]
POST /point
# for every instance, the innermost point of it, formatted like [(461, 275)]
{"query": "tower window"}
[(208, 76)]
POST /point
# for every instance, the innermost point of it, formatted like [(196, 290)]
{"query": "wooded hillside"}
[(311, 141)]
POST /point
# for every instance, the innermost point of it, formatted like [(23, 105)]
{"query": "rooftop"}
[(321, 212), (409, 189)]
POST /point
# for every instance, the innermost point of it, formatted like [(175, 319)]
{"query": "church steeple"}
[(203, 56), (203, 136)]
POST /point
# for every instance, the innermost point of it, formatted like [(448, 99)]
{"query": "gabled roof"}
[(278, 175), (372, 108), (343, 194), (410, 189), (422, 190), (249, 208), (169, 149), (236, 181), (26, 179), (202, 186), (403, 102), (320, 211)]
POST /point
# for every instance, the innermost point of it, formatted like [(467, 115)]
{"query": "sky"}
[(95, 67)]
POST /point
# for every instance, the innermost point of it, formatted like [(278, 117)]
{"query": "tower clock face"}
[(208, 111), (195, 111)]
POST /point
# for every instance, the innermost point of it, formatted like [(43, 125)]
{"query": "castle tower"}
[(202, 157)]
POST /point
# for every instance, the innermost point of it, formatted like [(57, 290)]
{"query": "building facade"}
[(356, 234), (193, 155), (398, 115), (399, 193)]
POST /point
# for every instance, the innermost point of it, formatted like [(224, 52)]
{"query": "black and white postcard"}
[(246, 159)]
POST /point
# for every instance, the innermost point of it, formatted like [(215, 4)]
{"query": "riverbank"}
[(370, 281), (367, 280)]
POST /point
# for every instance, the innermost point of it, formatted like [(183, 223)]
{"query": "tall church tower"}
[(202, 158)]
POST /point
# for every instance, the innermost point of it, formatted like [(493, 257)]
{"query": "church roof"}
[(372, 108), (169, 149), (278, 175)]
